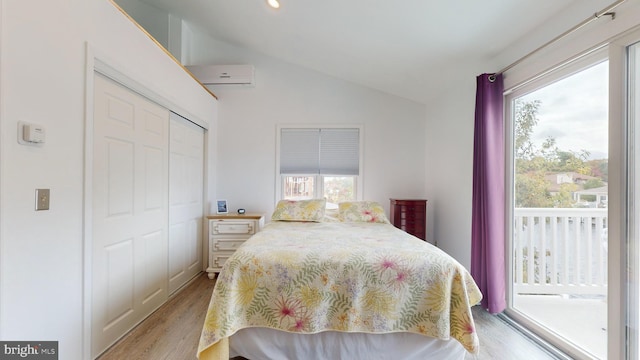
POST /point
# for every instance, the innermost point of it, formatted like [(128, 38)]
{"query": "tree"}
[(530, 185), (593, 183), (563, 198), (531, 191), (531, 163), (571, 161), (599, 169), (525, 121)]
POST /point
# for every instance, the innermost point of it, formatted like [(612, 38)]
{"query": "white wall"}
[(450, 127), (394, 128), (42, 80)]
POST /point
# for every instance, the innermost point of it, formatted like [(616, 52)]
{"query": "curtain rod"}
[(604, 12)]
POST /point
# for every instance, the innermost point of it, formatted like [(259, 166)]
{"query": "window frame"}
[(319, 178)]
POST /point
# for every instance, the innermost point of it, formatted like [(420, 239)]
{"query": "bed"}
[(354, 287)]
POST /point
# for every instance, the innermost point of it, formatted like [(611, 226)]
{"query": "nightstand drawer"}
[(232, 227), (219, 258), (227, 244)]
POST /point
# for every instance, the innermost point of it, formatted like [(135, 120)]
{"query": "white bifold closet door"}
[(130, 210), (186, 208)]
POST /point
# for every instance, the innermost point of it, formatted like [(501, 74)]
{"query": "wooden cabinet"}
[(226, 233), (410, 215)]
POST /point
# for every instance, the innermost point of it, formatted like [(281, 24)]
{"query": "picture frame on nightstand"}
[(221, 206)]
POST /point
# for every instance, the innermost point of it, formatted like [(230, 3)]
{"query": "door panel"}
[(119, 189), (559, 206), (186, 201), (155, 166), (130, 210), (120, 285), (153, 271)]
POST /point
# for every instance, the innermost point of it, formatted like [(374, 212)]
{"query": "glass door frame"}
[(538, 332), (624, 206), (623, 340), (633, 245), (619, 167)]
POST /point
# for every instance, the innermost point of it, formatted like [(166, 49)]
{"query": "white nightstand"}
[(226, 233)]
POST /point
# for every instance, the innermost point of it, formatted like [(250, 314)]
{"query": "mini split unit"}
[(223, 74)]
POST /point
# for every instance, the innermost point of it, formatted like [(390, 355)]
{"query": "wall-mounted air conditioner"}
[(223, 74)]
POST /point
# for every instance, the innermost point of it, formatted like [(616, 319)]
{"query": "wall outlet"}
[(42, 199)]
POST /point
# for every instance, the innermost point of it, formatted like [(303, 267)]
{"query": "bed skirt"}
[(264, 343)]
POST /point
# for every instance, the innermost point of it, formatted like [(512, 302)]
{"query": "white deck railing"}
[(560, 251)]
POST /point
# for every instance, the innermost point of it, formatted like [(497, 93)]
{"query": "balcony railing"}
[(560, 251)]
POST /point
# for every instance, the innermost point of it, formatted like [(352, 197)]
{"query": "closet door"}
[(130, 210), (186, 208)]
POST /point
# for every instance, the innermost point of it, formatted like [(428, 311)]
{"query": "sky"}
[(574, 111)]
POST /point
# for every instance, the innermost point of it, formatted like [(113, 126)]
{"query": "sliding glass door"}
[(574, 208), (559, 206)]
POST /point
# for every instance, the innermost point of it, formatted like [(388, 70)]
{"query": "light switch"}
[(42, 199)]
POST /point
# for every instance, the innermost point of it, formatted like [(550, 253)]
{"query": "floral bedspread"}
[(351, 277)]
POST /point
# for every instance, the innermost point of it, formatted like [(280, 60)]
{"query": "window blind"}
[(326, 151)]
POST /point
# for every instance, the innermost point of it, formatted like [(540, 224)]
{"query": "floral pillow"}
[(362, 211), (299, 210)]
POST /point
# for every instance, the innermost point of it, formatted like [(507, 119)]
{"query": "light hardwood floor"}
[(173, 331)]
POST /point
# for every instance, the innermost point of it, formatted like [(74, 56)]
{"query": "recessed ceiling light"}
[(273, 3)]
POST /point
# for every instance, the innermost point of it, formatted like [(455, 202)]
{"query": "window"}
[(319, 163)]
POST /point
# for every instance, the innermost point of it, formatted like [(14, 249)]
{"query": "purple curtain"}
[(487, 226)]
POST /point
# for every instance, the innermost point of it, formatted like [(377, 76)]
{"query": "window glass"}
[(339, 188), (298, 187)]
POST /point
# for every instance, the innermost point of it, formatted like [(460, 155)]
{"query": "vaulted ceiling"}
[(400, 47)]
